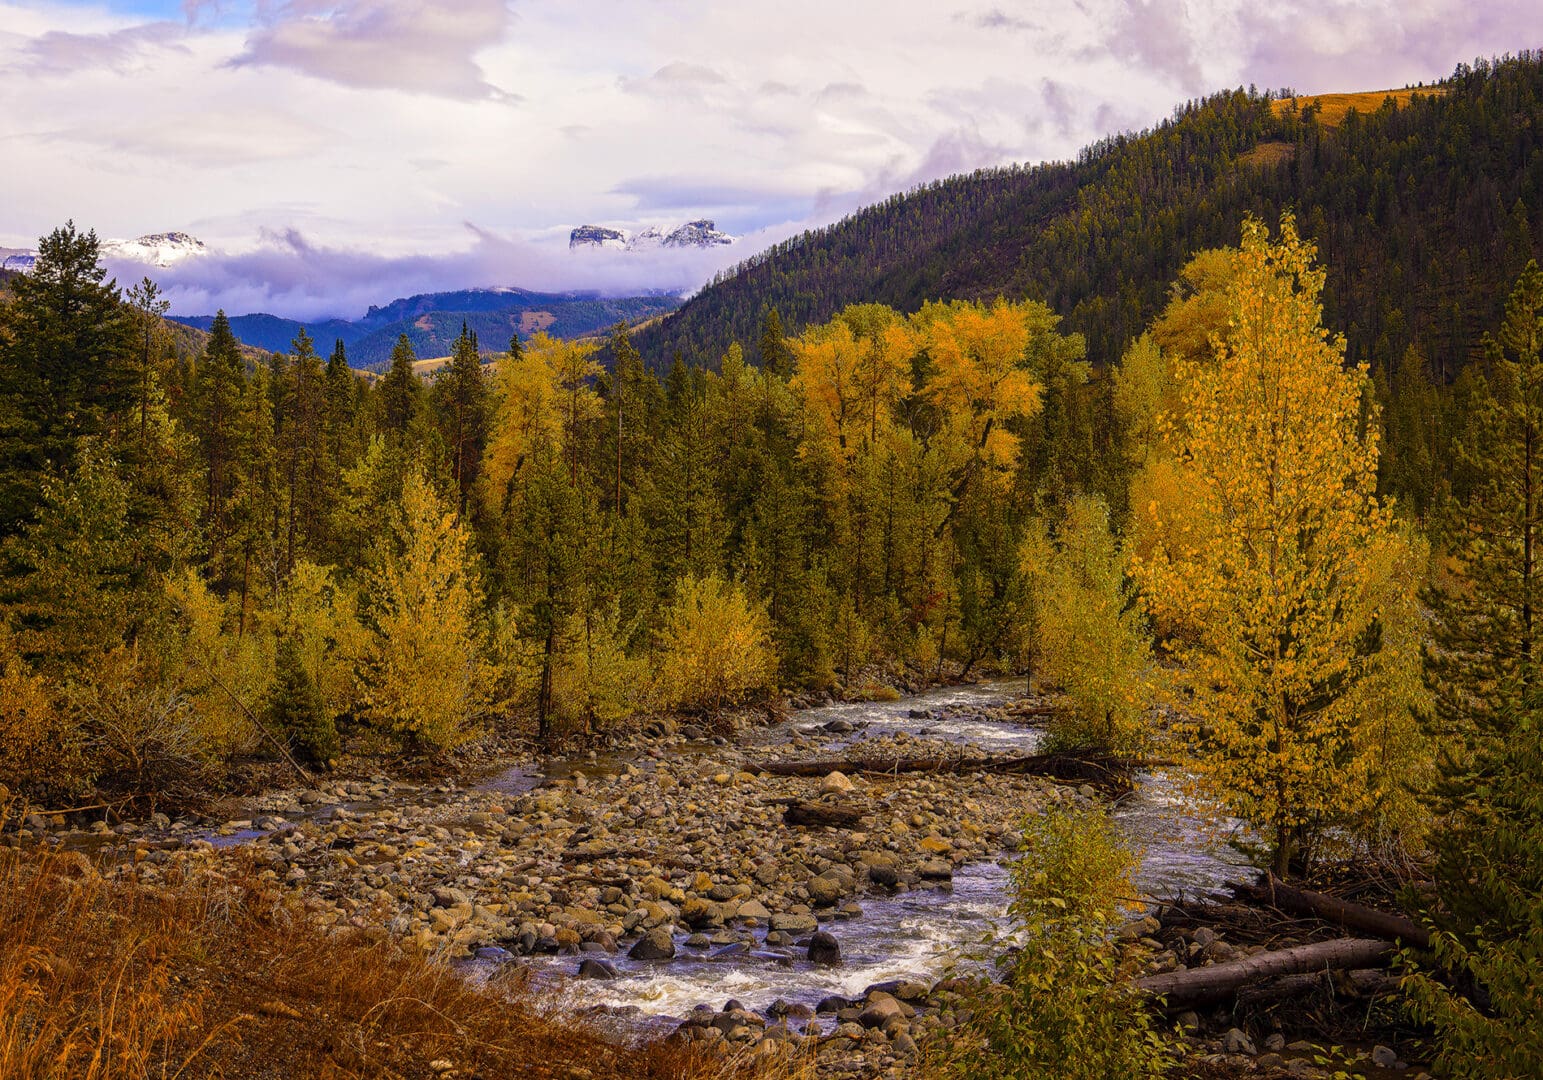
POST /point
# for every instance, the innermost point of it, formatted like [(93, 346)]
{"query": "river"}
[(921, 934)]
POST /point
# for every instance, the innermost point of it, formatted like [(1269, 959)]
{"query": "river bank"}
[(660, 888)]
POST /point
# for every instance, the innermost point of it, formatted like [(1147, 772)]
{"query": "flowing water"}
[(924, 933)]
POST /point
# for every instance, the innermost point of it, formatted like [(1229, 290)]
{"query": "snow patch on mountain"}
[(153, 249), (702, 233)]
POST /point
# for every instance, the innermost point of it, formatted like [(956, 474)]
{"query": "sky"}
[(337, 153)]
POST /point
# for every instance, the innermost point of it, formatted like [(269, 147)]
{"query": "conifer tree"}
[(399, 390), (65, 367), (295, 706), (461, 397), (1489, 619)]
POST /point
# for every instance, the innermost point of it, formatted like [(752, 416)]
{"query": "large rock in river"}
[(657, 944), (824, 949)]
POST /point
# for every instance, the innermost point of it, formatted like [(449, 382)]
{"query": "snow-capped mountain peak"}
[(702, 233), (153, 249)]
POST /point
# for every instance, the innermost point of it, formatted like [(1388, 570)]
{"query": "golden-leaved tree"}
[(426, 674), (1091, 638), (716, 645), (1279, 589)]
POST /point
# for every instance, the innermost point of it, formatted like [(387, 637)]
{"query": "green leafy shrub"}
[(1064, 1010)]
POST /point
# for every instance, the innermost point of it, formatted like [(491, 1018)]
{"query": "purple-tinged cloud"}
[(122, 51), (417, 46), (294, 278)]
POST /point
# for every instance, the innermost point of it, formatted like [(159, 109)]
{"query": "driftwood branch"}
[(1219, 981), (278, 743), (820, 814), (1343, 913), (1101, 770)]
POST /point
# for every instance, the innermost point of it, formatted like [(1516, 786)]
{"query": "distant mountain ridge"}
[(432, 321), (153, 249), (702, 233)]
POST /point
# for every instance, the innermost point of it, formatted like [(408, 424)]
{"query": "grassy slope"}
[(218, 975)]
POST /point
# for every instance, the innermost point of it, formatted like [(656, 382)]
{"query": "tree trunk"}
[(1343, 913), (1102, 770), (1220, 981)]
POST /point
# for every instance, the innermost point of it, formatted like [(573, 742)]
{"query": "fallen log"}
[(1343, 913), (1283, 987), (1100, 770), (822, 815), (1219, 981)]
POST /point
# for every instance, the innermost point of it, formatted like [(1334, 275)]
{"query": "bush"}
[(142, 733), (1091, 640), (716, 646), (1064, 1011), (595, 682), (42, 756)]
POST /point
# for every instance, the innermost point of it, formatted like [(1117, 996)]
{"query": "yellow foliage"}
[(41, 753), (215, 648), (716, 645), (324, 619), (1091, 641), (426, 673), (1197, 309), (539, 402), (1284, 574), (595, 683), (981, 378), (850, 375)]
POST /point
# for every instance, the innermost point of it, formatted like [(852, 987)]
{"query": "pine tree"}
[(1489, 619), (460, 396), (66, 371), (295, 706), (399, 390), (776, 356), (1481, 986)]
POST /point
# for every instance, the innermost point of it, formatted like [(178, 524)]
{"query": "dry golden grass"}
[(1333, 108), (1267, 154), (216, 976)]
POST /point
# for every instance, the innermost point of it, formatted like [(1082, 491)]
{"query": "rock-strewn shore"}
[(680, 847)]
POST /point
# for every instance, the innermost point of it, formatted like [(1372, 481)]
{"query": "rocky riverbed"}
[(662, 884)]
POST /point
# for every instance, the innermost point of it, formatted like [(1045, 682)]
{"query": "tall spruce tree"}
[(1488, 620), (66, 367)]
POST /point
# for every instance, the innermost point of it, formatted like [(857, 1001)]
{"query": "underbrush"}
[(215, 975)]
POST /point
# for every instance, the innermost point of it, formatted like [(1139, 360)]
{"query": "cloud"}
[(1156, 34), (294, 277), (59, 52), (676, 80), (417, 46), (995, 19)]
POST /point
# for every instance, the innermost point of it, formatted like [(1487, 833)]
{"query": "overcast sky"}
[(392, 144)]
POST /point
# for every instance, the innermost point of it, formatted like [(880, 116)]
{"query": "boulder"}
[(592, 967), (835, 783), (824, 949), (657, 944), (825, 889)]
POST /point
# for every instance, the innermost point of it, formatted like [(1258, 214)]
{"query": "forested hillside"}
[(1424, 215), (433, 321)]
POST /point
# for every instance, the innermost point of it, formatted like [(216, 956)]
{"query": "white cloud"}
[(383, 126)]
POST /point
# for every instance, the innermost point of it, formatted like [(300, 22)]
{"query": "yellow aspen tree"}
[(1277, 585), (530, 410), (426, 674), (981, 376)]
